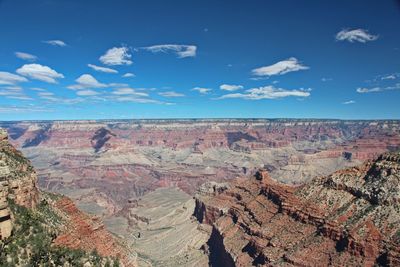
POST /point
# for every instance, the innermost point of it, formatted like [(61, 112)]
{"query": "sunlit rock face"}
[(348, 217), (18, 182)]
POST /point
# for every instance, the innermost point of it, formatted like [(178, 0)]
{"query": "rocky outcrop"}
[(17, 182), (88, 233), (25, 213), (349, 217)]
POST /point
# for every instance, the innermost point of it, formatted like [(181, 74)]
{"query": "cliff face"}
[(88, 233), (38, 228), (351, 217), (17, 182)]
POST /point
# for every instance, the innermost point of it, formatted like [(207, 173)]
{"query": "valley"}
[(140, 177)]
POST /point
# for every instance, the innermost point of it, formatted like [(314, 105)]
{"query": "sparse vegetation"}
[(31, 241)]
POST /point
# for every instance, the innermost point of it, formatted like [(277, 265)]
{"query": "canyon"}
[(180, 192), (348, 218)]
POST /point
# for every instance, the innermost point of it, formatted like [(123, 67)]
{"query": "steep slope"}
[(351, 217), (42, 229)]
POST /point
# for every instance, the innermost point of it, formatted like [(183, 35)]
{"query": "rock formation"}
[(17, 182), (350, 217), (36, 227)]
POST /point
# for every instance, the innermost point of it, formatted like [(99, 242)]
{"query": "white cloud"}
[(21, 97), (356, 35), (14, 92), (363, 90), (349, 102), (230, 87), (118, 84), (17, 109), (45, 94), (40, 72), (25, 56), (181, 50), (55, 43), (10, 78), (279, 68), (86, 93), (390, 77), (38, 89), (128, 75), (326, 79), (86, 81), (102, 69), (267, 92), (202, 90), (13, 88), (137, 100), (170, 94), (129, 91), (117, 56)]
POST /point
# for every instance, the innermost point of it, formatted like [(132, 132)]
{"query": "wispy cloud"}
[(129, 91), (45, 94), (279, 68), (55, 43), (356, 35), (102, 69), (10, 78), (392, 76), (363, 90), (137, 100), (22, 109), (326, 79), (170, 94), (181, 51), (267, 92), (25, 56), (49, 97), (230, 87), (86, 81), (87, 92), (202, 90), (349, 102), (38, 89), (39, 72), (128, 75), (14, 92), (117, 56)]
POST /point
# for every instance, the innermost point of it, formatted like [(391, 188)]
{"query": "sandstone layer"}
[(351, 217)]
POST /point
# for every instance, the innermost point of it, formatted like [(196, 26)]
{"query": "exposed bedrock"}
[(354, 220)]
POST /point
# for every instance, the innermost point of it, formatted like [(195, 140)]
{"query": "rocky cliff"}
[(17, 182), (39, 228), (350, 217)]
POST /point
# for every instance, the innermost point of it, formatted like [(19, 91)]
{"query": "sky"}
[(65, 59)]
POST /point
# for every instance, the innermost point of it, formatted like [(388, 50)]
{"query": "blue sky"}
[(193, 59)]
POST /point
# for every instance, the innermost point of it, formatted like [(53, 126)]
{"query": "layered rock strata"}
[(351, 217)]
